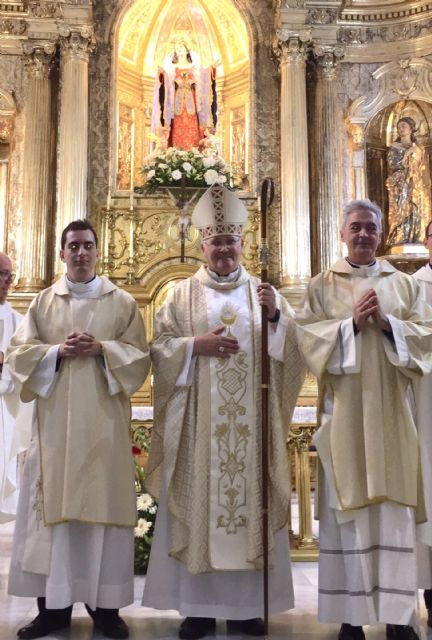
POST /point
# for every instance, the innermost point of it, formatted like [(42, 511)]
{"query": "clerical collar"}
[(83, 288), (361, 266), (231, 277)]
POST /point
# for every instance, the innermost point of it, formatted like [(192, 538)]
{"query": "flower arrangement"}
[(144, 530), (193, 168)]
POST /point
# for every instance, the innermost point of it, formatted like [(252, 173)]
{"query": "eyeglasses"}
[(6, 275)]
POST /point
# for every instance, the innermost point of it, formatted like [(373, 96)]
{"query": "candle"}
[(108, 203), (131, 238), (131, 200), (106, 234)]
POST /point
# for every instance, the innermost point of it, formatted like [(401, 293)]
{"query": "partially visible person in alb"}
[(423, 399), (80, 352), (15, 416), (205, 459), (367, 335)]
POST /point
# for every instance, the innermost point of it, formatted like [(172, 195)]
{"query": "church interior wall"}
[(356, 43), (355, 62)]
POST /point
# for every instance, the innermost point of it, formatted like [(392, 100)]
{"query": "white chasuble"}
[(232, 427), (206, 441), (371, 437), (83, 423), (367, 442), (67, 546)]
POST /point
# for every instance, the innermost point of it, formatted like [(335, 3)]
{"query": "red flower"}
[(135, 450)]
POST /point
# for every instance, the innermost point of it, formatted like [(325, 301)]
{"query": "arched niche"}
[(402, 87), (144, 33), (380, 132), (7, 116)]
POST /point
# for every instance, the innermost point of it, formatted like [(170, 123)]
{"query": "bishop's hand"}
[(214, 344)]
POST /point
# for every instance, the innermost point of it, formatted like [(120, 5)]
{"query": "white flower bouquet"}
[(144, 530), (175, 168)]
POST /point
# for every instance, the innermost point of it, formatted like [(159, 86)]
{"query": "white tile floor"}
[(149, 624)]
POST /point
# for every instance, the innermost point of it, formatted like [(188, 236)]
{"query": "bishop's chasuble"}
[(367, 440), (77, 506), (205, 460)]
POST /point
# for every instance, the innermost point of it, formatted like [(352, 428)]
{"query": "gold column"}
[(327, 157), (296, 268), (73, 129), (38, 167), (300, 437)]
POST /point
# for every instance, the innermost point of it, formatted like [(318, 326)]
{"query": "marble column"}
[(328, 157), (296, 263), (73, 129), (38, 163)]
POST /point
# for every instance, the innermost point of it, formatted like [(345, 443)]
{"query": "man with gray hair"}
[(366, 335)]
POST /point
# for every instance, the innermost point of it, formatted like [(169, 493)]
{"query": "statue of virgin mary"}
[(184, 100)]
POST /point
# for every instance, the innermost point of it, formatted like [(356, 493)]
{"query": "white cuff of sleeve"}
[(6, 383), (397, 353), (346, 356), (114, 386), (43, 379), (186, 374), (276, 339)]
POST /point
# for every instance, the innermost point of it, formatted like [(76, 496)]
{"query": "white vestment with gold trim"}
[(75, 560), (220, 579), (367, 441)]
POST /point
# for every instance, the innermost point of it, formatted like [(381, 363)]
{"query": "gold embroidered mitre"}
[(219, 212)]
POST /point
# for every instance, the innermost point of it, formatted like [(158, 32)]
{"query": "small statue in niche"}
[(408, 187), (184, 100)]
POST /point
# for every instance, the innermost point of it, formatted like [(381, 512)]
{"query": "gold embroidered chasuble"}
[(206, 436), (83, 424), (369, 442)]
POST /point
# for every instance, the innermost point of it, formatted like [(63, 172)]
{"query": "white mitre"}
[(219, 212)]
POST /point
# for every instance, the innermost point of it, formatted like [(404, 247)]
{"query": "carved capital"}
[(39, 58), (300, 437), (77, 44), (328, 58), (289, 46)]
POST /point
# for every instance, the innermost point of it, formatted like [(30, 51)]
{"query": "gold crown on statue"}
[(219, 212)]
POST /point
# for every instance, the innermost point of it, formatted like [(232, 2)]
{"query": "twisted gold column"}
[(294, 165), (73, 129), (37, 178), (327, 157)]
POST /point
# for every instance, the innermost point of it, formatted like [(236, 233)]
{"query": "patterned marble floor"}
[(299, 624)]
